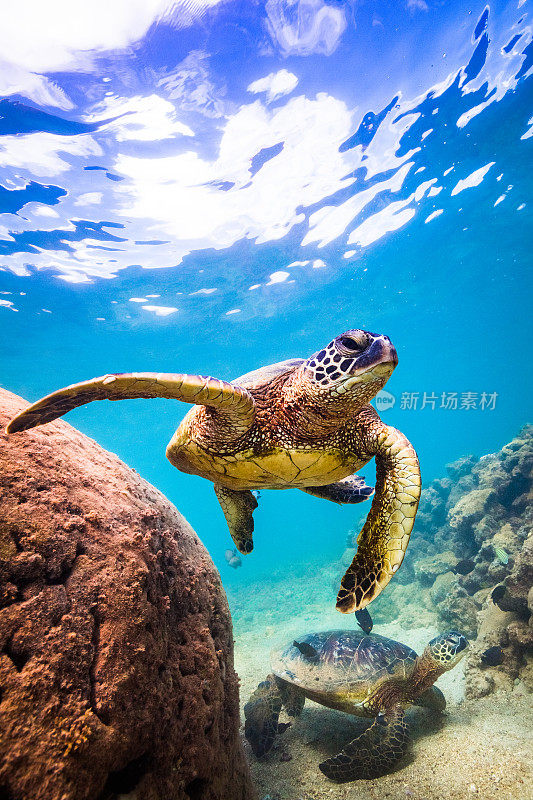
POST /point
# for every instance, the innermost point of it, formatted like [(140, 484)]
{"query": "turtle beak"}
[(380, 358)]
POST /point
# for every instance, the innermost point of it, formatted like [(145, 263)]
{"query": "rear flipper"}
[(238, 508), (371, 754), (261, 714), (352, 489)]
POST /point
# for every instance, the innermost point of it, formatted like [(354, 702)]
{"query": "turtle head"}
[(352, 368), (447, 649)]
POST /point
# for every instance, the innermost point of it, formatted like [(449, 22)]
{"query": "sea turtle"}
[(298, 423), (365, 675)]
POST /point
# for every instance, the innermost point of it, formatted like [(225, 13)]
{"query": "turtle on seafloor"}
[(302, 424), (364, 675)]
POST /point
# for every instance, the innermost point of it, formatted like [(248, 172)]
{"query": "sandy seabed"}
[(477, 748)]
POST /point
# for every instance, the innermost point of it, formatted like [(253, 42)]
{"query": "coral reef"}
[(116, 651), (470, 564)]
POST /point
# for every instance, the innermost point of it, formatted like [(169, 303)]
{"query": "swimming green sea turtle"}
[(299, 423), (365, 675)]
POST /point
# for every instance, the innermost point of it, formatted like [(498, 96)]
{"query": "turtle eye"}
[(353, 344)]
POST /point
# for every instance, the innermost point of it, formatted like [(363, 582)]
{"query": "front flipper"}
[(432, 698), (261, 714), (293, 701), (352, 489), (238, 508), (382, 543), (371, 754), (234, 403)]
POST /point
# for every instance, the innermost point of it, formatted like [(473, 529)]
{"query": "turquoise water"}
[(387, 149)]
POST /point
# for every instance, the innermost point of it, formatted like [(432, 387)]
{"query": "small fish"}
[(501, 554), (464, 566), (306, 650), (233, 559), (492, 657), (364, 620)]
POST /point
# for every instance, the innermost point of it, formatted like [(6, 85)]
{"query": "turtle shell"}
[(263, 375), (347, 666)]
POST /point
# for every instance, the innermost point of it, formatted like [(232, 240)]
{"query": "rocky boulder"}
[(427, 570), (116, 651)]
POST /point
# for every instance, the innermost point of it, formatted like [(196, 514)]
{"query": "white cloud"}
[(178, 193), (233, 311), (60, 35), (7, 304), (277, 277), (303, 27), (529, 133), (465, 118), (138, 299), (275, 85), (39, 210), (191, 86), (205, 198), (434, 215), (88, 199), (390, 218), (417, 5), (329, 222), (145, 119), (474, 179), (422, 189), (203, 291), (160, 311), (44, 92), (40, 153)]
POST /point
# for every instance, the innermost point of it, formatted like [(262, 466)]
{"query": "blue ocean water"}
[(221, 186)]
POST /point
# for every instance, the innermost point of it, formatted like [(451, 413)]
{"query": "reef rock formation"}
[(116, 651), (470, 564)]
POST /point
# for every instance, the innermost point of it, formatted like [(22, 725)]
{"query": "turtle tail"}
[(373, 753), (261, 714)]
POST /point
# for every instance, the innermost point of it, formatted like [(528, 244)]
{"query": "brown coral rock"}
[(116, 652)]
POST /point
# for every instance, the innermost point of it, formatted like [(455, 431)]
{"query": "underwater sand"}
[(478, 748)]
